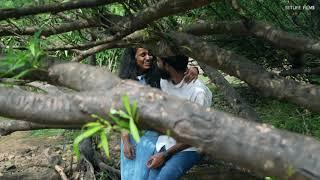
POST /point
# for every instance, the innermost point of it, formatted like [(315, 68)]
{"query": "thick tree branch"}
[(230, 94), (9, 126), (219, 27), (269, 84), (65, 27), (161, 9), (141, 20), (51, 8), (267, 32), (293, 72), (259, 147), (135, 38), (81, 79)]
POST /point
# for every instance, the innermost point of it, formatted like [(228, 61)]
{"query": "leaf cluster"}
[(119, 120)]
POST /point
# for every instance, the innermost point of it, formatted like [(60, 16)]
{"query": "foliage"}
[(17, 64), (119, 121)]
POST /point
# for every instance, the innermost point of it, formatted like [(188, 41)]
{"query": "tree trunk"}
[(259, 147)]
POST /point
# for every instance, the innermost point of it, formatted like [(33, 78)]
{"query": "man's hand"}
[(128, 150), (156, 160), (191, 74)]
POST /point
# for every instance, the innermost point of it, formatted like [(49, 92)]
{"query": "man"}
[(173, 159)]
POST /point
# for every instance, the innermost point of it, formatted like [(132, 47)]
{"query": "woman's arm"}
[(191, 74), (128, 150)]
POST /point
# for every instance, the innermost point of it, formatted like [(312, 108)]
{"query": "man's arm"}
[(159, 158)]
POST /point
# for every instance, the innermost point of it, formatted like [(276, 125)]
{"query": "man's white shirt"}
[(195, 92)]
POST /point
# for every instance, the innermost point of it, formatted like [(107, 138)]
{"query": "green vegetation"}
[(123, 121)]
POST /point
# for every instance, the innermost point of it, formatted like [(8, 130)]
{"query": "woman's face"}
[(143, 59)]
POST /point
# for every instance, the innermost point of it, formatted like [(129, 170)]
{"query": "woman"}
[(138, 64)]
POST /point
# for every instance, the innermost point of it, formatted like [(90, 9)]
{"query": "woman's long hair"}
[(129, 68)]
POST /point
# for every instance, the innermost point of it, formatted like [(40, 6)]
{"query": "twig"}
[(60, 171)]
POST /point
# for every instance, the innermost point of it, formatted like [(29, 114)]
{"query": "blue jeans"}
[(175, 167), (137, 168)]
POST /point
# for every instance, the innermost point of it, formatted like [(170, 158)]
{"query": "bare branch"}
[(267, 32), (163, 8), (219, 27), (128, 25), (269, 84), (133, 39), (66, 27), (51, 8), (292, 72), (9, 126)]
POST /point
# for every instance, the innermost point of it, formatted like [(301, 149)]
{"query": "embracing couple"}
[(160, 157)]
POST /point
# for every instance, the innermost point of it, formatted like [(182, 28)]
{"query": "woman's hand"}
[(191, 74), (128, 150)]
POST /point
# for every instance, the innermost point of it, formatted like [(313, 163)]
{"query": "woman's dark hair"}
[(129, 68)]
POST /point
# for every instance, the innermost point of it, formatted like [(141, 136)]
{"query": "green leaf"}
[(134, 130), (23, 73), (102, 120), (12, 69), (126, 103), (123, 114), (104, 141), (83, 136), (119, 122), (113, 111), (134, 110), (91, 124)]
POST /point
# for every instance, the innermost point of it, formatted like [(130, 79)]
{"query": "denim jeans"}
[(137, 169), (175, 167)]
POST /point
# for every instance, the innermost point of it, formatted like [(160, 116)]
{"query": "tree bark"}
[(139, 21), (293, 72), (9, 126), (269, 84), (51, 8), (66, 27), (259, 147), (267, 32)]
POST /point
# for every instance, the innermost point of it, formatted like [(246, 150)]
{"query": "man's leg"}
[(178, 165), (153, 173)]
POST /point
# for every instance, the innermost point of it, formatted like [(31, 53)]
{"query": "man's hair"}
[(178, 62)]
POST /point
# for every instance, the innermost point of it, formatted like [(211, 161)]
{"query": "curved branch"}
[(66, 27), (128, 25), (161, 9), (219, 27), (292, 72), (267, 32), (51, 8), (268, 83), (9, 126)]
